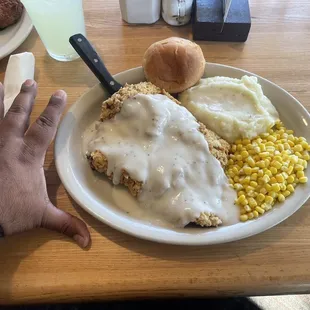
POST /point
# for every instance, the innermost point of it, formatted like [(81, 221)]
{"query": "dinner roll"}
[(174, 64)]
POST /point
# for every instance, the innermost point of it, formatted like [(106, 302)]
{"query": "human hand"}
[(24, 202)]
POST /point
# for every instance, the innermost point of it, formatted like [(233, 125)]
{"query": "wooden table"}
[(42, 266)]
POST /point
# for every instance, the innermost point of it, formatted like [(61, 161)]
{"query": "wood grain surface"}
[(42, 266)]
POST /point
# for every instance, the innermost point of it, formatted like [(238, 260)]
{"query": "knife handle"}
[(94, 62)]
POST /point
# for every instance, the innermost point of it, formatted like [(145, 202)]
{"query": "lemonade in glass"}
[(56, 21)]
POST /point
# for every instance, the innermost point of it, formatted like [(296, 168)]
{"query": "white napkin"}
[(19, 69)]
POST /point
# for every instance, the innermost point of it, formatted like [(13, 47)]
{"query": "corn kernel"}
[(303, 180), (250, 215), (264, 154), (243, 218), (294, 159), (264, 206), (244, 154), (300, 174), (268, 187), (263, 191), (286, 193), (251, 194), (235, 170), (271, 138), (247, 208), (240, 193), (246, 180), (240, 164), (273, 180), (255, 213), (290, 169), (264, 135), (267, 207), (249, 189), (260, 197), (256, 149), (261, 164), (273, 194), (275, 187), (298, 148), (253, 184), (246, 141), (269, 199), (239, 157), (290, 179), (298, 167), (281, 197), (260, 173), (250, 161), (247, 170), (253, 177), (276, 164), (252, 202), (273, 170), (285, 175), (290, 188), (305, 145), (268, 172), (260, 210), (242, 211), (266, 178), (290, 136), (236, 179), (279, 178), (238, 186)]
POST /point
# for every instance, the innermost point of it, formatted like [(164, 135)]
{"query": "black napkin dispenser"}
[(208, 21)]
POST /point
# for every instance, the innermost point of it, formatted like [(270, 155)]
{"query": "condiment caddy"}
[(212, 20)]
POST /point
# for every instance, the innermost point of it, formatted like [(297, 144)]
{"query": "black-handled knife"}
[(94, 62)]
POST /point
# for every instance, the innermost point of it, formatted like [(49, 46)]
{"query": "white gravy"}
[(159, 143)]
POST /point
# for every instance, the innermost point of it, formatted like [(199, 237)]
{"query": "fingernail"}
[(60, 94), (82, 242), (28, 83)]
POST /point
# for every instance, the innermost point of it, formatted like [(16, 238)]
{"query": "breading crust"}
[(219, 148)]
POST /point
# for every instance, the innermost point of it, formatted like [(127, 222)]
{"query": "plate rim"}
[(26, 27), (159, 238)]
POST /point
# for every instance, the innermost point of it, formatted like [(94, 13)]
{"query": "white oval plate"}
[(12, 37), (109, 204)]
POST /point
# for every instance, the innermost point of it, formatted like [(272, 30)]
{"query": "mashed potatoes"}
[(233, 108)]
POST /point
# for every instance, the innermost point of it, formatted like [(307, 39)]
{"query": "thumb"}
[(63, 222)]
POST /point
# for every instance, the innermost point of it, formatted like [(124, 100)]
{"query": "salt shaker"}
[(140, 11), (177, 12)]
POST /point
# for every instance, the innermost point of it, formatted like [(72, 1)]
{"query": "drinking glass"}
[(56, 21)]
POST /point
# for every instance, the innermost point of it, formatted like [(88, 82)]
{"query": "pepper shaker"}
[(140, 11), (177, 12)]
